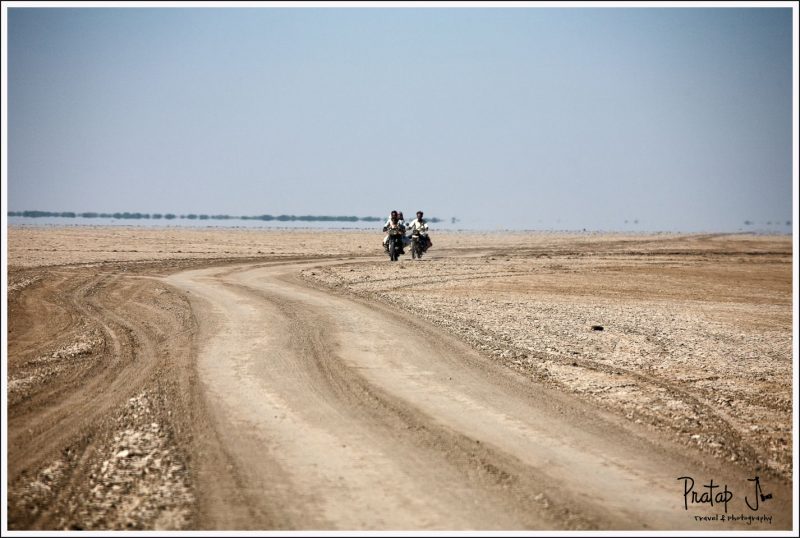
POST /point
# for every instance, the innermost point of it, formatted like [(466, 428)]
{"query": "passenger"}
[(406, 238)]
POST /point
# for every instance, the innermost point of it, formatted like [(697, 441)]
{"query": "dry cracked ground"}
[(686, 338)]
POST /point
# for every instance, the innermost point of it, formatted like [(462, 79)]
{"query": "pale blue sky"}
[(513, 118)]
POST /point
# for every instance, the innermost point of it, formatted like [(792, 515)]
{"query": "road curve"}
[(327, 412)]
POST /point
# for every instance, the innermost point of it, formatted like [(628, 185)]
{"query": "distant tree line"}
[(769, 223), (194, 216), (92, 215)]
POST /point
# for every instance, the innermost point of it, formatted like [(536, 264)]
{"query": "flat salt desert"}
[(690, 335)]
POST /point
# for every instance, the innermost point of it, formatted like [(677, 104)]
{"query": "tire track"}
[(323, 394), (60, 432), (702, 405)]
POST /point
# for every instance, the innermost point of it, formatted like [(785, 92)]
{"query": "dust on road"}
[(157, 394)]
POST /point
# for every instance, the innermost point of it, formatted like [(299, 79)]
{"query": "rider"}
[(420, 225), (393, 222)]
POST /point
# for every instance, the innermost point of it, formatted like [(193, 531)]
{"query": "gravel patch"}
[(141, 481), (696, 345)]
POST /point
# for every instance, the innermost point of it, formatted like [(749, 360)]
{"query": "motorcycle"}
[(419, 244), (394, 244)]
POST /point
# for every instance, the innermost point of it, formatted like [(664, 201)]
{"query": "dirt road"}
[(208, 379), (326, 412)]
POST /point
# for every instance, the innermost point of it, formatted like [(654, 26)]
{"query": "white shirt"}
[(400, 224), (418, 225)]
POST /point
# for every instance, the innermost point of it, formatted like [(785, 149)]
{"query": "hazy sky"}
[(517, 118)]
